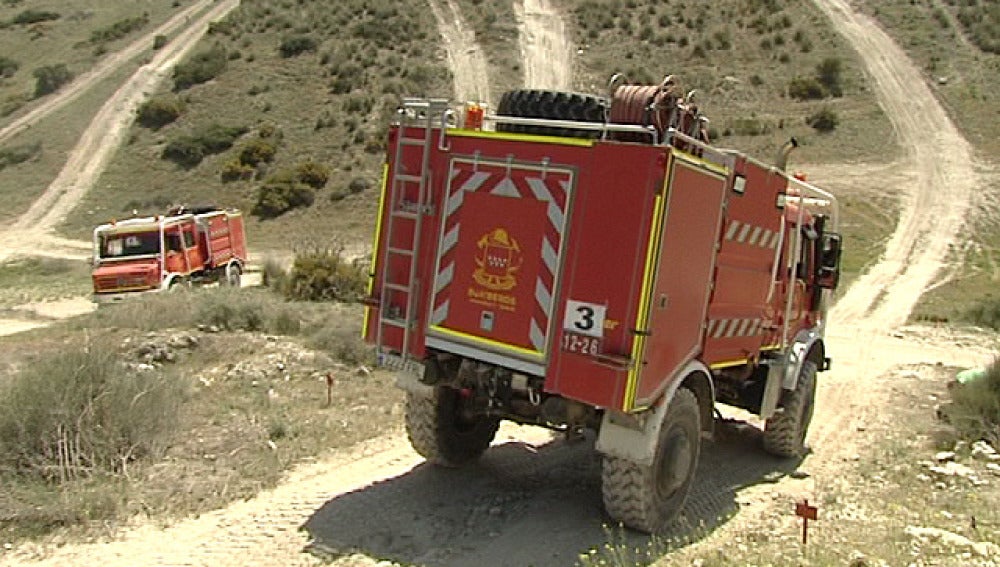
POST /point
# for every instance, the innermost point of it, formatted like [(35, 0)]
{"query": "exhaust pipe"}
[(784, 152)]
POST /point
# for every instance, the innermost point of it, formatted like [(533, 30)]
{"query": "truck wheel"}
[(233, 273), (648, 497), (785, 431), (440, 432), (553, 105)]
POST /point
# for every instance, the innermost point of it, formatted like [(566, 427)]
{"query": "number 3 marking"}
[(585, 318)]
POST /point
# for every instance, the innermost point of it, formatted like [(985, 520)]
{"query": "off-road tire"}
[(552, 105), (439, 432), (232, 275), (785, 431), (634, 494)]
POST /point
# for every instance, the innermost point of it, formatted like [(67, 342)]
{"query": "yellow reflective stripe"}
[(699, 162), (489, 342), (378, 234), (728, 363), (582, 142), (642, 317)]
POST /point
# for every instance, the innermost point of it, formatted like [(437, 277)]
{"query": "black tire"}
[(552, 105), (440, 433), (232, 275), (648, 497), (785, 431)]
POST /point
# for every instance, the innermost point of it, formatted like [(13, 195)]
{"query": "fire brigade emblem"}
[(498, 260)]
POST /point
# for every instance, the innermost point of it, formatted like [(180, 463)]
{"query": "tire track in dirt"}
[(546, 51), (934, 209), (100, 71), (31, 231), (465, 56)]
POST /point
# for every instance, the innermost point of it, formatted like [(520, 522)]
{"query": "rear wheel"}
[(442, 432), (552, 105), (233, 275), (648, 497), (785, 431)]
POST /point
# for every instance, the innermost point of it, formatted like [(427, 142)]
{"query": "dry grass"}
[(255, 404)]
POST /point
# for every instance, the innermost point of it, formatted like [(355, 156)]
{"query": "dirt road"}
[(32, 232), (539, 502), (465, 56), (545, 47), (100, 71)]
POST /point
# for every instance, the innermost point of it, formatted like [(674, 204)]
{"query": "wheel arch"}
[(808, 345), (634, 437)]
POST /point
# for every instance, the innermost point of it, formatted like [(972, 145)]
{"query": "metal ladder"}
[(408, 204)]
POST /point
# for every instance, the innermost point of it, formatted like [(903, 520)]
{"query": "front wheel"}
[(648, 497), (442, 432), (785, 431)]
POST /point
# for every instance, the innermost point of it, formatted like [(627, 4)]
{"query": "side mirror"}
[(828, 267)]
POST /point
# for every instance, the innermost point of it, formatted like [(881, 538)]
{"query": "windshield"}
[(121, 245)]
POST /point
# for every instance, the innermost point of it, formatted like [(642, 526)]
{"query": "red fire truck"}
[(185, 246), (594, 263)]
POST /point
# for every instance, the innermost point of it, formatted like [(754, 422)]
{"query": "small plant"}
[(50, 78), (119, 29), (188, 151), (235, 170), (159, 41), (257, 151), (312, 174), (201, 68), (805, 88), (276, 197), (8, 67), (324, 274), (297, 45), (14, 155), (823, 120), (975, 407), (828, 73), (34, 17), (159, 111)]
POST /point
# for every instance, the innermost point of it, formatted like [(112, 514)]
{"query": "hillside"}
[(330, 102)]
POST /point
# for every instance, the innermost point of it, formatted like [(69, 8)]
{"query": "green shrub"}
[(8, 67), (159, 111), (159, 41), (805, 88), (80, 412), (119, 29), (823, 120), (985, 313), (828, 73), (257, 151), (297, 45), (325, 275), (201, 68), (975, 407), (14, 155), (49, 78), (34, 17), (188, 150), (273, 274), (275, 198), (235, 170), (312, 174)]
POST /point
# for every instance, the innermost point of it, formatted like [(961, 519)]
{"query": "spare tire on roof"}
[(552, 105)]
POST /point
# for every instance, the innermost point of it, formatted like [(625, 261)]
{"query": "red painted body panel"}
[(683, 281), (546, 256)]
